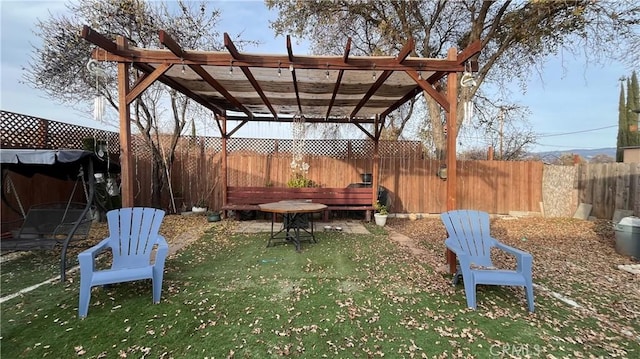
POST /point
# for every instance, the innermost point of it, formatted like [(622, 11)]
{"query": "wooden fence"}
[(609, 186), (409, 178)]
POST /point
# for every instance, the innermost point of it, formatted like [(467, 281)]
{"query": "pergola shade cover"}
[(315, 91), (278, 87)]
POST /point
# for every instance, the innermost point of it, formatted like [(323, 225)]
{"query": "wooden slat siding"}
[(410, 178), (503, 172), (607, 188), (598, 191), (621, 196), (634, 189), (328, 196), (609, 183), (248, 198), (595, 176)]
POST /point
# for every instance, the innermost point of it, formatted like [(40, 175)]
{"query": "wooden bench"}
[(336, 199)]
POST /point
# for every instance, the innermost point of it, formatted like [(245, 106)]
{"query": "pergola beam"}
[(145, 81), (336, 87), (223, 91), (235, 129), (307, 119), (472, 50), (366, 132), (402, 101), (108, 47), (293, 73), (171, 44), (247, 73), (275, 61), (428, 88), (146, 68), (372, 90), (100, 40), (404, 53), (177, 50)]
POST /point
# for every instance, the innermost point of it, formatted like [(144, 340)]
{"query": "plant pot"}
[(381, 219), (196, 209), (213, 217)]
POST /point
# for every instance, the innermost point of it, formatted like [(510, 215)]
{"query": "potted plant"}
[(202, 203), (382, 212), (200, 206), (213, 216)]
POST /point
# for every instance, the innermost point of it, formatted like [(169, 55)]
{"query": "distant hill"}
[(586, 154)]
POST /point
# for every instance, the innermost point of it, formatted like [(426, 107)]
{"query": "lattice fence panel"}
[(22, 131), (257, 145), (212, 143)]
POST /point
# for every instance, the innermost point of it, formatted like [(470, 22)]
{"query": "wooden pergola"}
[(350, 90)]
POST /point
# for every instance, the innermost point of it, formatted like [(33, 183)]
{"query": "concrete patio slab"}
[(344, 226)]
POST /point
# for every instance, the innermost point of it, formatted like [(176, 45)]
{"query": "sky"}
[(573, 104)]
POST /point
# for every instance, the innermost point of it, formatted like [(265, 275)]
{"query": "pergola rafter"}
[(345, 57)]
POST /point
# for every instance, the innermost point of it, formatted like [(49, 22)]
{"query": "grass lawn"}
[(347, 296)]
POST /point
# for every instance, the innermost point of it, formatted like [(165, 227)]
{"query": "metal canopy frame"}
[(65, 164)]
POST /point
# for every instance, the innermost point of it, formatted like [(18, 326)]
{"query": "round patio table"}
[(291, 212)]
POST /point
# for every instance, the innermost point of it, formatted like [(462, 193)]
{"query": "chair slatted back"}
[(469, 230), (133, 232)]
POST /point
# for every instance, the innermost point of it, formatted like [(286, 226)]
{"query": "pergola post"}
[(375, 181), (222, 121), (126, 165), (452, 134)]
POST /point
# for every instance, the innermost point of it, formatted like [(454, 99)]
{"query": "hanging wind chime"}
[(100, 146), (298, 166), (467, 81)]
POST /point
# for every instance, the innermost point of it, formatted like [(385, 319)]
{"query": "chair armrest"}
[(163, 246), (515, 251), (463, 257), (161, 253), (452, 245), (524, 259), (86, 257)]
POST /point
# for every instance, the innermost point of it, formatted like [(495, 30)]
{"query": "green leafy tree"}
[(628, 132), (517, 38), (59, 66), (623, 129), (633, 109)]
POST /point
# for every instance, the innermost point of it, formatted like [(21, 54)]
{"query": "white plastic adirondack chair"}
[(470, 239), (133, 234)]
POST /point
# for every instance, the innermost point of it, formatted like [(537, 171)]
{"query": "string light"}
[(231, 68), (291, 67), (374, 72), (182, 66), (327, 73), (420, 72), (279, 69)]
